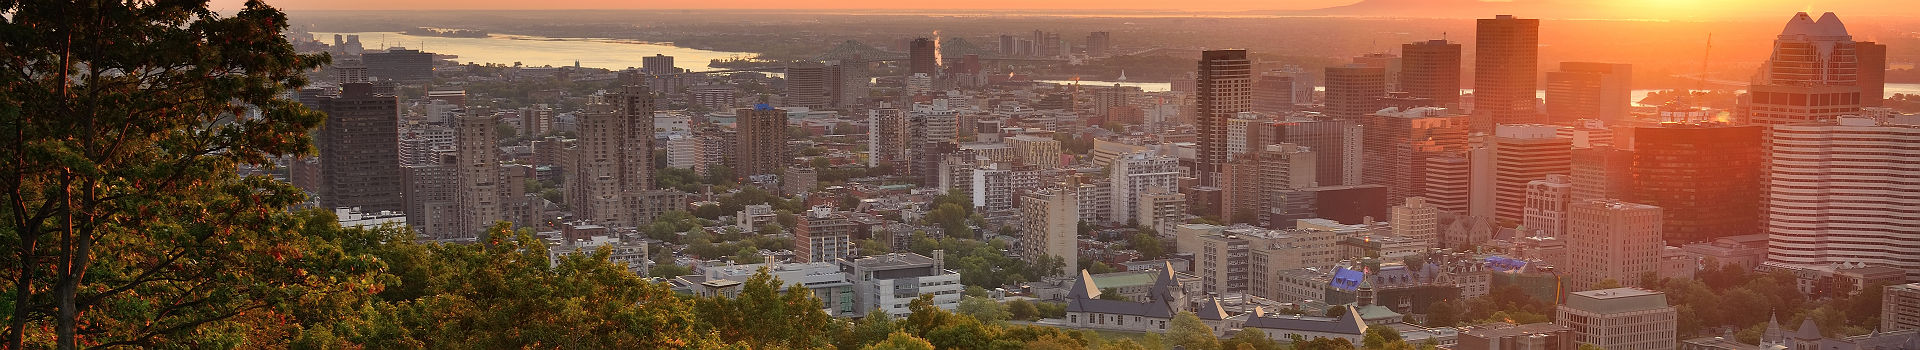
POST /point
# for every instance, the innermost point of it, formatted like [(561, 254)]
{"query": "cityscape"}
[(1223, 175)]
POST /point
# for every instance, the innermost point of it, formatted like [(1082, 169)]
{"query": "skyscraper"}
[(1273, 93), (921, 58), (1589, 90), (658, 64), (477, 204), (1812, 76), (613, 161), (1337, 144), (1521, 154), (1256, 184), (1099, 43), (359, 150), (1431, 70), (761, 146), (1842, 192), (1135, 174), (1612, 240), (1223, 82), (811, 85), (1354, 91), (1506, 71), (1873, 72), (1049, 220), (1399, 141), (1707, 176)]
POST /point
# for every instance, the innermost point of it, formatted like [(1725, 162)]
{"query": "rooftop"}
[(1616, 300)]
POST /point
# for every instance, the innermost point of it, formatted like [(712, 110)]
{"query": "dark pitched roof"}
[(1347, 323), (1085, 297), (1211, 310)]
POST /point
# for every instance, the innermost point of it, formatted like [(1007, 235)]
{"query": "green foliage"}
[(668, 271), (1111, 294), (1379, 337), (1250, 338), (1021, 309), (1188, 332), (1607, 284), (1147, 243), (901, 341), (984, 309)]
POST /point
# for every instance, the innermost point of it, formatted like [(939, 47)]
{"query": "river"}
[(538, 51)]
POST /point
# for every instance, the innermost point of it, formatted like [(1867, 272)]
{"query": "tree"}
[(1379, 337), (984, 309), (1147, 243), (1188, 332), (668, 270), (1250, 338), (901, 341), (1021, 309), (125, 222), (1111, 293), (1443, 314)]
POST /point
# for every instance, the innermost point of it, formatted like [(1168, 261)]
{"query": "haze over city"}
[(991, 174)]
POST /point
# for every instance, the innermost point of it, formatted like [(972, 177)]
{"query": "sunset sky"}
[(1656, 9)]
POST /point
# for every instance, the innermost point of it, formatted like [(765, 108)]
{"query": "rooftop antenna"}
[(1705, 55)]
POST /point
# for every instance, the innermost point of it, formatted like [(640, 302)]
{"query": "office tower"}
[(1273, 93), (1841, 192), (477, 162), (1589, 90), (811, 85), (350, 71), (1386, 62), (1602, 172), (1431, 71), (1336, 143), (1222, 85), (1008, 46), (1399, 141), (1546, 211), (853, 81), (1900, 307), (1611, 240), (400, 64), (1161, 209), (1099, 44), (888, 138), (658, 64), (1505, 71), (1813, 75), (1417, 220), (1447, 180), (921, 58), (1134, 175), (1520, 154), (612, 163), (1873, 72), (1257, 183), (1707, 176), (1620, 318), (761, 145), (1036, 152), (822, 234), (1355, 91), (1049, 227), (359, 150)]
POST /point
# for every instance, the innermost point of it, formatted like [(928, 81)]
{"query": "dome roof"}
[(1828, 25)]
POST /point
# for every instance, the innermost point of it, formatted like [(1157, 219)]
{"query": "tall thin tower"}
[(1506, 71), (1224, 86)]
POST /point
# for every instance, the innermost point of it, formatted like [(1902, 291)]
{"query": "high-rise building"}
[(1224, 82), (1611, 240), (1273, 93), (1337, 143), (1038, 152), (1707, 176), (1008, 46), (432, 199), (1387, 62), (811, 85), (1399, 141), (1099, 44), (1522, 153), (1255, 185), (359, 150), (1354, 91), (1839, 192), (1447, 181), (1417, 220), (823, 235), (399, 64), (477, 161), (1602, 173), (888, 137), (921, 58), (1134, 175), (1546, 212), (1506, 71), (1050, 220), (1900, 307), (761, 145), (1873, 72), (1589, 90), (1161, 209), (1812, 76), (1620, 318), (852, 82), (658, 64), (612, 163), (1431, 71)]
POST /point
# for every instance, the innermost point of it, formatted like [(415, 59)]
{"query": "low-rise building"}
[(888, 283), (1619, 319)]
